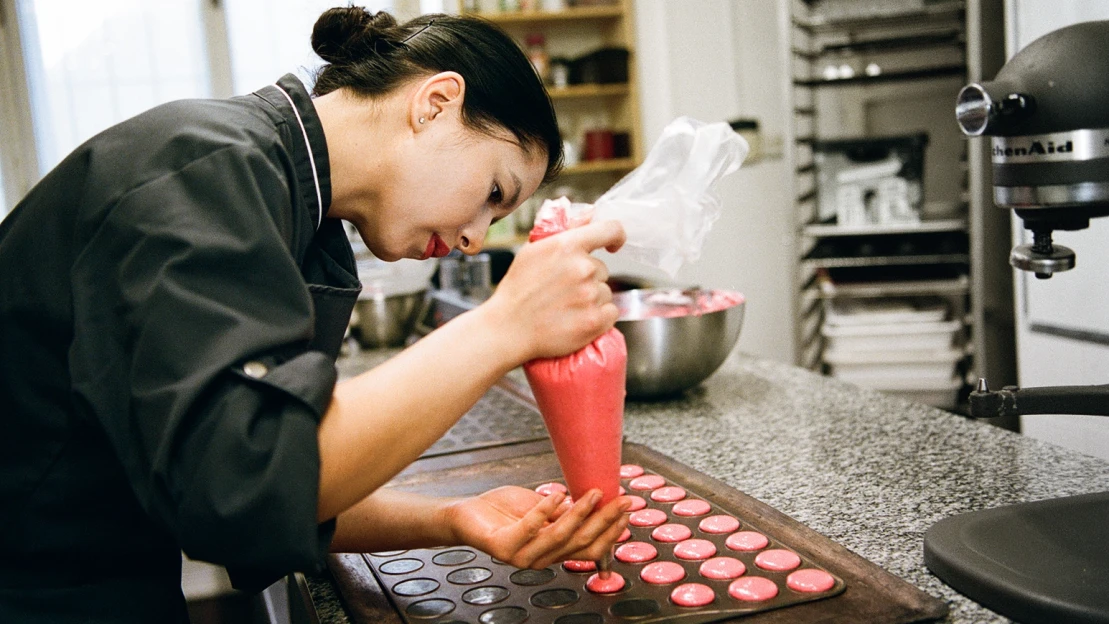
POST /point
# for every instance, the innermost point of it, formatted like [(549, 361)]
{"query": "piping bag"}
[(667, 207)]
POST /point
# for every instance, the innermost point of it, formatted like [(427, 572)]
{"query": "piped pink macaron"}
[(810, 580), (752, 589), (630, 471), (662, 573), (647, 482), (722, 568), (671, 532), (611, 585), (777, 560), (719, 524), (691, 507), (692, 595)]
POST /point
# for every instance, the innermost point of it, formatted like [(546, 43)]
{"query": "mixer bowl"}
[(670, 349)]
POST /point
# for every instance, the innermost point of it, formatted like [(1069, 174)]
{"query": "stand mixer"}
[(1047, 112)]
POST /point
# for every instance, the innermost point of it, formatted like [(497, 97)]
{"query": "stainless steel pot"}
[(670, 354)]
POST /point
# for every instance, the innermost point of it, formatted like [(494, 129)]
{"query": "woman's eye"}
[(495, 196)]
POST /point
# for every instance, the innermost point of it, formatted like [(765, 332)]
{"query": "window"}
[(269, 38), (79, 66), (92, 64)]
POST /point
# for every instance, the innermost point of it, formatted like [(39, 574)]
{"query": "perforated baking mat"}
[(460, 584), (501, 416)]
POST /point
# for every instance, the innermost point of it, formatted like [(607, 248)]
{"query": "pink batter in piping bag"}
[(581, 398)]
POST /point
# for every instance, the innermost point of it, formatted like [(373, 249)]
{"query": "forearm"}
[(381, 421), (390, 519)]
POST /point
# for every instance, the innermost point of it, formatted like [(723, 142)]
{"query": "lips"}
[(436, 248), (441, 248)]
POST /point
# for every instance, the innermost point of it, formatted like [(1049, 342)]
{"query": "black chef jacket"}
[(172, 300)]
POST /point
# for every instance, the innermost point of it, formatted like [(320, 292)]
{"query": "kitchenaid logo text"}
[(1074, 145), (1034, 148)]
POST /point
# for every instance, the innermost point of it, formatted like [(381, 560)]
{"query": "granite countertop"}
[(870, 471)]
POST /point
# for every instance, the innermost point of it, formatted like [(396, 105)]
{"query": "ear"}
[(438, 95)]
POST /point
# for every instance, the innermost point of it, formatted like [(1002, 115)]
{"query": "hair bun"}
[(341, 33)]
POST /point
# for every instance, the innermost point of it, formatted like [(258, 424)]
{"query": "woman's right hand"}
[(554, 299)]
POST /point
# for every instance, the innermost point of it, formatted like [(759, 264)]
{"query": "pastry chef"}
[(172, 300)]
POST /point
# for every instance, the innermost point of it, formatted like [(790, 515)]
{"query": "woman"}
[(172, 298)]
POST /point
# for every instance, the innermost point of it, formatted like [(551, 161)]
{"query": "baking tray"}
[(863, 592)]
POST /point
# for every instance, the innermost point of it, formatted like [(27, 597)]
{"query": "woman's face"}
[(446, 186)]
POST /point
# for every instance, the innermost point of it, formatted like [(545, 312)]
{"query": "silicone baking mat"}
[(460, 584), (465, 585)]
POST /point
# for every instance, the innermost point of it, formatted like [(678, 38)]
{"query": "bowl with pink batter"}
[(676, 338)]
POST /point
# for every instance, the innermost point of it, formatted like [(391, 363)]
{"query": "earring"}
[(421, 119)]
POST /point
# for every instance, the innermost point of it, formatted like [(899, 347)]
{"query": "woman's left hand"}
[(528, 530)]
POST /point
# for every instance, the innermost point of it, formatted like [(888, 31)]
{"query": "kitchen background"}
[(825, 252)]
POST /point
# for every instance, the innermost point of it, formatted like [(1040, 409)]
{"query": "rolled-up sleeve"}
[(191, 350)]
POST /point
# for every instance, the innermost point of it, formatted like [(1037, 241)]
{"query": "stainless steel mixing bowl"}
[(668, 355), (386, 321)]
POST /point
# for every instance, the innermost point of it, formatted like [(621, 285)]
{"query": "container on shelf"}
[(858, 312), (560, 72), (871, 181), (603, 66), (892, 336), (536, 50), (905, 369), (599, 145), (749, 130)]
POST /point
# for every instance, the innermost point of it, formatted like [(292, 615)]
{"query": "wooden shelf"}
[(588, 90), (572, 32), (601, 166), (569, 14)]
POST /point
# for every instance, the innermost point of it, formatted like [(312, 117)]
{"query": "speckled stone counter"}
[(870, 471)]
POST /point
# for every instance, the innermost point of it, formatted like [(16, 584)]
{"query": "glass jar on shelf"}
[(536, 50)]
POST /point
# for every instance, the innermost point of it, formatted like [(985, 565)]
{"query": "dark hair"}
[(371, 54)]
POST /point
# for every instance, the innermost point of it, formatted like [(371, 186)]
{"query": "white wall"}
[(1075, 300), (716, 60)]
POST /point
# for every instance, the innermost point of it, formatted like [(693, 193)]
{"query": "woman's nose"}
[(473, 238)]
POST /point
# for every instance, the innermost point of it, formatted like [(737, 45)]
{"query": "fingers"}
[(579, 533), (600, 269), (599, 533), (609, 235), (531, 523), (600, 546), (560, 531)]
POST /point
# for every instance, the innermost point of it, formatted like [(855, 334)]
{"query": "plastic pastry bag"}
[(581, 395), (668, 204)]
